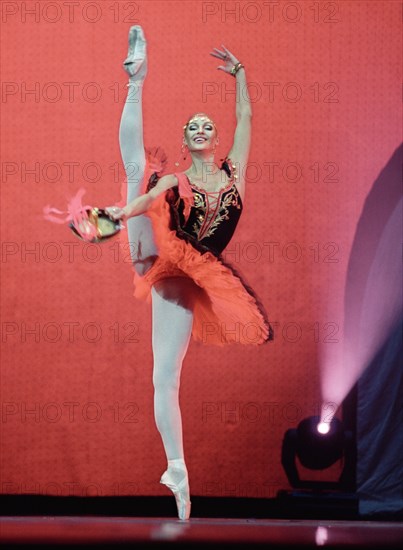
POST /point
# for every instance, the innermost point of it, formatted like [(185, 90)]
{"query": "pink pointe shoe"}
[(180, 490), (135, 63)]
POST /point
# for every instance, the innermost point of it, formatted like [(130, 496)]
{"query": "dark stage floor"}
[(196, 532), (290, 520)]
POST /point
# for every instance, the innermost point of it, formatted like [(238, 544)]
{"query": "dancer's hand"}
[(115, 213), (227, 57)]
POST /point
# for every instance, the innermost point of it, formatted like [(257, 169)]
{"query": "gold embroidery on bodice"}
[(212, 209)]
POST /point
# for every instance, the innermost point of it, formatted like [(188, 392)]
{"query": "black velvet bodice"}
[(212, 219)]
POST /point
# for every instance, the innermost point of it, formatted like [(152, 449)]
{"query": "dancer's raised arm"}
[(239, 152)]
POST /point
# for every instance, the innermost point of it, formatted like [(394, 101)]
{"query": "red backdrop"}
[(76, 378)]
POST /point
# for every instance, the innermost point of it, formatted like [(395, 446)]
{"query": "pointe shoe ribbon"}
[(135, 63), (181, 493)]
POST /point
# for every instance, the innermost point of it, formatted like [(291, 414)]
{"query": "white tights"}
[(171, 299)]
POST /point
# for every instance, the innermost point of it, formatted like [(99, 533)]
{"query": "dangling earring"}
[(184, 153)]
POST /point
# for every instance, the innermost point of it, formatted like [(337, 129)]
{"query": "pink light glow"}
[(373, 291)]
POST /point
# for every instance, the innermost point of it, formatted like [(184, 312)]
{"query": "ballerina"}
[(177, 226)]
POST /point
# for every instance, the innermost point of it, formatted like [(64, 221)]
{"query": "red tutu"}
[(226, 311)]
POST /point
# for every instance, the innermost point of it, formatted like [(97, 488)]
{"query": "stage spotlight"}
[(323, 427), (318, 445), (316, 450)]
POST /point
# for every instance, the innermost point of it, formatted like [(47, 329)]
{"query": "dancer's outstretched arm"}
[(141, 204)]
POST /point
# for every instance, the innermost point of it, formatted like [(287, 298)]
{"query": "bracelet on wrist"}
[(236, 68)]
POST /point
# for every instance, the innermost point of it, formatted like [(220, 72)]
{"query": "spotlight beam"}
[(373, 289)]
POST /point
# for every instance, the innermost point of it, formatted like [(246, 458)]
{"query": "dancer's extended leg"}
[(139, 228), (172, 327)]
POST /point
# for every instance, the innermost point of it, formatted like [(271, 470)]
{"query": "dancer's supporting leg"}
[(172, 328), (139, 229)]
